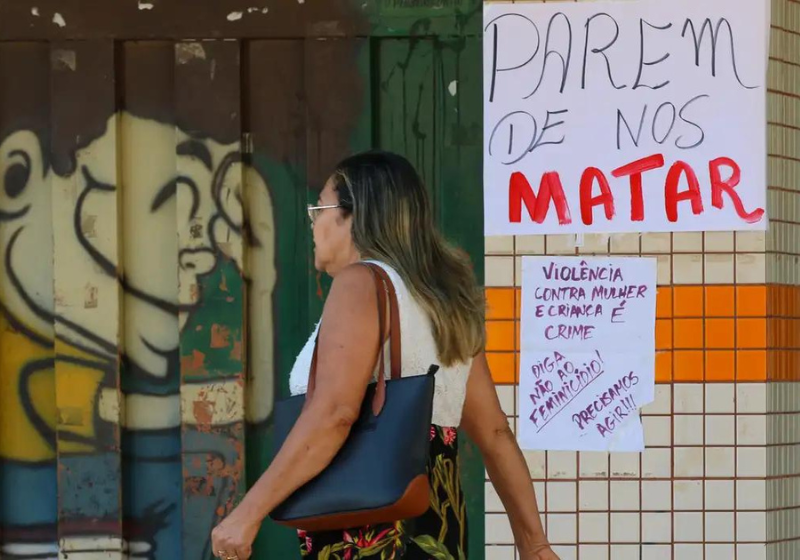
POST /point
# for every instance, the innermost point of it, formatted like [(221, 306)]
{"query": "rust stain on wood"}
[(203, 411), (236, 352), (220, 336), (194, 364)]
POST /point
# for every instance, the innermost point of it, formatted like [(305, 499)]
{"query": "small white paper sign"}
[(588, 352), (625, 116)]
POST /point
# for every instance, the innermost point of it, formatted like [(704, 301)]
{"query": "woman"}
[(374, 207)]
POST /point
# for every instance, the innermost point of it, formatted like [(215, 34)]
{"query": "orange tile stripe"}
[(703, 333)]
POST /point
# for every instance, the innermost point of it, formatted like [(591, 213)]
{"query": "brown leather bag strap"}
[(383, 284), (395, 340)]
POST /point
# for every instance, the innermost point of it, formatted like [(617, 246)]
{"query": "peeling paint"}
[(89, 221), (235, 16), (64, 59), (194, 364), (35, 11), (58, 19), (236, 352), (328, 29), (203, 412), (453, 88), (90, 297), (186, 52), (220, 336), (145, 6)]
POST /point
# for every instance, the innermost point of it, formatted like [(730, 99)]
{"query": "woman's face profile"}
[(333, 239)]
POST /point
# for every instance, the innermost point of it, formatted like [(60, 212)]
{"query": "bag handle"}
[(383, 288)]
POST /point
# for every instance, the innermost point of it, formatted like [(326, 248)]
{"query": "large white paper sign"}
[(625, 116), (588, 352)]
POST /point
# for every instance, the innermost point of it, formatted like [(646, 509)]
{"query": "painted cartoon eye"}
[(18, 173)]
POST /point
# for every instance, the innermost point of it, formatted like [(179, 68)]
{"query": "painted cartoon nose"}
[(198, 261)]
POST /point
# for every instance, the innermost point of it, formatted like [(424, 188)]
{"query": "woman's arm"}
[(348, 344), (487, 425)]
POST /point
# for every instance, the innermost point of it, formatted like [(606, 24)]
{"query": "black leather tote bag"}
[(380, 473)]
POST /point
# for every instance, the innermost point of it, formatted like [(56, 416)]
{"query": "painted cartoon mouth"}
[(41, 313), (9, 216)]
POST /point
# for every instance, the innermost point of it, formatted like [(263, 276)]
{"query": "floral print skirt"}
[(439, 533)]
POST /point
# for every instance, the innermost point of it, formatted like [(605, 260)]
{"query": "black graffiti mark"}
[(134, 371), (171, 188), (9, 216), (185, 261), (106, 265), (216, 188), (26, 399), (17, 284), (17, 174), (193, 148), (133, 453), (154, 518), (104, 429), (47, 316), (92, 184), (21, 328)]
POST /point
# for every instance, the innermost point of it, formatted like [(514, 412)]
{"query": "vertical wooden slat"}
[(210, 284), (28, 496), (405, 91), (275, 198), (339, 113), (87, 298), (151, 438)]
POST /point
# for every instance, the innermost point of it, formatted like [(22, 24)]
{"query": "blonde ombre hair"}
[(393, 224)]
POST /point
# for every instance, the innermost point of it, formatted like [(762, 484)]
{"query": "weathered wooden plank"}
[(168, 19), (28, 487), (337, 125), (275, 198), (87, 297), (211, 291), (151, 439), (406, 89)]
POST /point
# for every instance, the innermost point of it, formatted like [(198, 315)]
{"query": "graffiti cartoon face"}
[(26, 274), (147, 211), (116, 217)]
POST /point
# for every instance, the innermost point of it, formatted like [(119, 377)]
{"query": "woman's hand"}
[(233, 538), (543, 552)]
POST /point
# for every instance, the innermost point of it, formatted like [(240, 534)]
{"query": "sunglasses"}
[(314, 211)]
